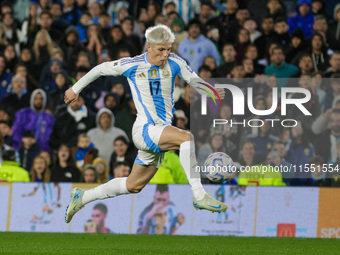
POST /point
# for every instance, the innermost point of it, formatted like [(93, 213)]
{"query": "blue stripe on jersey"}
[(139, 162), (147, 139), (175, 69), (131, 74), (156, 92)]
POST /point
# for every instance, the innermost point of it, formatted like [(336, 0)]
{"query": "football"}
[(219, 167)]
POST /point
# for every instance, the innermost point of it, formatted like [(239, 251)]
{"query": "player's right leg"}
[(175, 138), (139, 177)]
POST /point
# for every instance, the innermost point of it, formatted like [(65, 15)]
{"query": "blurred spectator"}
[(5, 77), (334, 29), (276, 9), (95, 40), (326, 143), (281, 28), (251, 26), (34, 118), (196, 46), (317, 172), (43, 47), (127, 25), (264, 140), (59, 23), (230, 132), (127, 117), (102, 170), (177, 27), (333, 90), (29, 149), (313, 105), (122, 152), (121, 169), (84, 144), (23, 70), (335, 65), (18, 97), (89, 174), (297, 45), (229, 57), (71, 46), (70, 12), (279, 67), (304, 18), (180, 120), (318, 51), (299, 152), (62, 83), (242, 14), (71, 120), (111, 102), (49, 71), (113, 7), (104, 135), (247, 157), (30, 25), (6, 132), (47, 158), (116, 42), (13, 35), (319, 8), (242, 42), (216, 144), (268, 34), (65, 169), (332, 178), (84, 22), (187, 9), (40, 171), (10, 56)]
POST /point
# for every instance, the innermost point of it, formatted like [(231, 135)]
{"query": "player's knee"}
[(187, 136), (134, 188)]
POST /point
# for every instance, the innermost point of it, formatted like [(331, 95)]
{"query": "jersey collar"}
[(146, 58)]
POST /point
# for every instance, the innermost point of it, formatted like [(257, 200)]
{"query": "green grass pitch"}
[(61, 243)]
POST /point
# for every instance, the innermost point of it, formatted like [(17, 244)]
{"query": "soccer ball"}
[(219, 167)]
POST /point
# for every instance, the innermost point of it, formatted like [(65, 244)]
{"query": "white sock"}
[(188, 161), (112, 188)]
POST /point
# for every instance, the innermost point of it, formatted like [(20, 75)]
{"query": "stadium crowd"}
[(46, 46)]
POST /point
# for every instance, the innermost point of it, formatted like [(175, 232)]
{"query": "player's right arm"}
[(112, 68)]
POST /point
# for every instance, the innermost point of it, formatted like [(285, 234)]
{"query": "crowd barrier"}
[(253, 211)]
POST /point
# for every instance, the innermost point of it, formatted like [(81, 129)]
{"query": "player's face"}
[(161, 198), (158, 54)]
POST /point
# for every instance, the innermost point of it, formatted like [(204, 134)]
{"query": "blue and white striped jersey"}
[(151, 86)]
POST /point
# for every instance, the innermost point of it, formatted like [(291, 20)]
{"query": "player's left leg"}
[(173, 138), (134, 183)]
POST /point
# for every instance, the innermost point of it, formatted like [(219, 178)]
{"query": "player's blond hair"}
[(159, 34)]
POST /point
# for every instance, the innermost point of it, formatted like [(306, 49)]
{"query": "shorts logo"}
[(115, 63), (153, 73), (4, 83), (165, 73)]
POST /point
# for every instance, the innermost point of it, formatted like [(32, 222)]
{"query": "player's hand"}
[(221, 93), (70, 96)]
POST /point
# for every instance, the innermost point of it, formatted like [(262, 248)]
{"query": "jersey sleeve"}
[(112, 68), (190, 77)]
